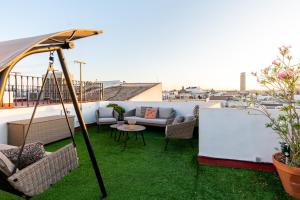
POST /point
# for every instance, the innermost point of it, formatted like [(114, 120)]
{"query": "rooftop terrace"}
[(149, 172)]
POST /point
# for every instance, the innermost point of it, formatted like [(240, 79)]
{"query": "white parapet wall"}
[(88, 109), (7, 115), (237, 134)]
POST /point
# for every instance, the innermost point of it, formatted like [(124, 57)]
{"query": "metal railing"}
[(23, 91)]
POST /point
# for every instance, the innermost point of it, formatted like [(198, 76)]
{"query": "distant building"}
[(243, 82), (107, 84), (134, 92), (188, 93)]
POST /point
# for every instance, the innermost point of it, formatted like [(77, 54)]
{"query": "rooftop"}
[(149, 172)]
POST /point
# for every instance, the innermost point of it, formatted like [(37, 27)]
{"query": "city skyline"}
[(191, 43)]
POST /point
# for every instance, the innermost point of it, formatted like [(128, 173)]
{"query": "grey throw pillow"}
[(106, 112), (178, 120), (32, 153), (165, 113)]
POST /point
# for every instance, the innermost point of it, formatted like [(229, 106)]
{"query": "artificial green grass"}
[(149, 172)]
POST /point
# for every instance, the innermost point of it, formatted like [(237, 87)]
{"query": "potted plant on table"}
[(281, 79)]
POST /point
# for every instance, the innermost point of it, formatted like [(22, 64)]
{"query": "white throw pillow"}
[(106, 112)]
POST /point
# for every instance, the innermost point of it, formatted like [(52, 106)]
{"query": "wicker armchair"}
[(100, 121), (182, 130)]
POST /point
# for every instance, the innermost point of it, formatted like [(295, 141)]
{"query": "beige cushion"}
[(144, 120), (105, 112), (6, 146), (178, 120), (165, 113), (189, 118), (107, 120), (6, 166)]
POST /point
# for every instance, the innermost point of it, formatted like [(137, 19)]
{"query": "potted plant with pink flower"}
[(281, 79)]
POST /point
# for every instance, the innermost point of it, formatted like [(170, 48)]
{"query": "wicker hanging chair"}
[(39, 176)]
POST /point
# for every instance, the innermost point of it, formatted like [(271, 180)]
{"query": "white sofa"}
[(164, 117)]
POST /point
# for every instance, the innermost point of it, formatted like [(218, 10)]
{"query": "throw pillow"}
[(31, 153), (178, 120), (6, 166), (143, 110), (106, 112), (151, 113), (165, 113)]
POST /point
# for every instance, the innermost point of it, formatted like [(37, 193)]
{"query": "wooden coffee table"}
[(125, 128)]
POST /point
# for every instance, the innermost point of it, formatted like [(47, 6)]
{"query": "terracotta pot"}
[(289, 176)]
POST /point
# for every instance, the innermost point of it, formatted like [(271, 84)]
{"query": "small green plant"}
[(281, 79), (119, 109)]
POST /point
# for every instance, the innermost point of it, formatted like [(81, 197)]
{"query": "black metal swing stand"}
[(50, 43)]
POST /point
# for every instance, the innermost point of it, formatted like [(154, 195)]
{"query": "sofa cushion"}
[(165, 113), (107, 120), (178, 120), (138, 112), (189, 118), (6, 166), (31, 153), (144, 120), (105, 112), (151, 113)]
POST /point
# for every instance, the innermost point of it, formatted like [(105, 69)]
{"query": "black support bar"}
[(81, 121)]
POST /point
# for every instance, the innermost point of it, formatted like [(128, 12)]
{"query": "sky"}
[(179, 43)]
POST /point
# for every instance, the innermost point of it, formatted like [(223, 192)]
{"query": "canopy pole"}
[(81, 121)]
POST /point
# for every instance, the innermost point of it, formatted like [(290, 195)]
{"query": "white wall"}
[(235, 134), (153, 94), (14, 114)]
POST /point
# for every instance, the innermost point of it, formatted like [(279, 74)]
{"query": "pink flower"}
[(275, 62), (290, 73), (257, 79), (282, 74), (285, 74)]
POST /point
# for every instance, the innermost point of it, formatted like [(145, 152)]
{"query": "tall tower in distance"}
[(243, 82)]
